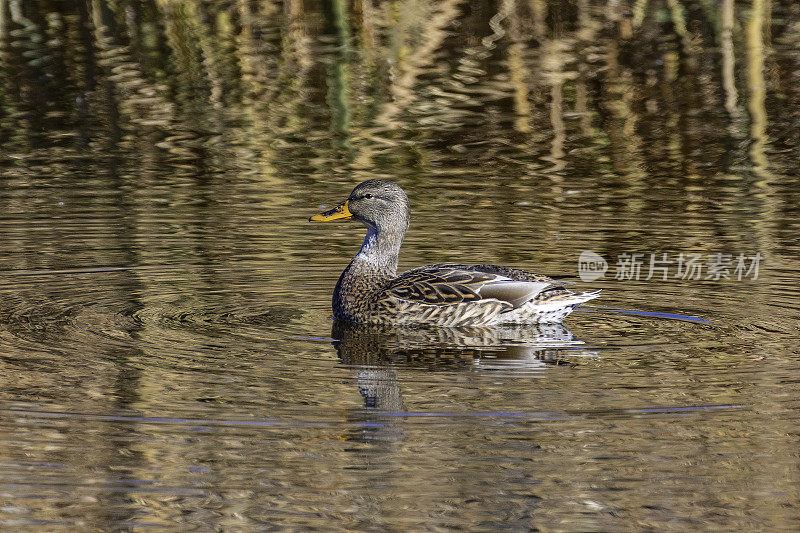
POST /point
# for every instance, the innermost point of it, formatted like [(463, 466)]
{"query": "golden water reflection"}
[(167, 353)]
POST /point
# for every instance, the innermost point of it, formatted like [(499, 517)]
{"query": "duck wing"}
[(454, 284), (515, 274)]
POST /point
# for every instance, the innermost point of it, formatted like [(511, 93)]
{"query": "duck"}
[(370, 291)]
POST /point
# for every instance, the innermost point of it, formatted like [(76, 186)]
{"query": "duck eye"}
[(368, 196)]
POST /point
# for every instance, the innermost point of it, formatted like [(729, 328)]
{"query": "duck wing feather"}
[(449, 284)]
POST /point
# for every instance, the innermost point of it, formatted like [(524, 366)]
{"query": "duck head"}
[(381, 205)]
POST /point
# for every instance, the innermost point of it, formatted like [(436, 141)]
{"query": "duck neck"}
[(371, 270), (380, 252)]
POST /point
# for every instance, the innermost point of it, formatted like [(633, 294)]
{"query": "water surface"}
[(167, 351)]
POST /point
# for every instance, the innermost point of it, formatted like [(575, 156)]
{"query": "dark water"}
[(166, 345)]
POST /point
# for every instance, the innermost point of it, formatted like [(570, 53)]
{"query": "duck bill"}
[(340, 212)]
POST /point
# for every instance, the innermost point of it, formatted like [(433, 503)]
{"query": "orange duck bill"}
[(340, 212)]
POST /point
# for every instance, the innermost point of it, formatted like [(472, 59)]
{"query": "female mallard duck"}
[(369, 290)]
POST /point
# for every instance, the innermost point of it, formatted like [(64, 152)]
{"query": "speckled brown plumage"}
[(369, 291)]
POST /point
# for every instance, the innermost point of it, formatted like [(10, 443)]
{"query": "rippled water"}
[(167, 351)]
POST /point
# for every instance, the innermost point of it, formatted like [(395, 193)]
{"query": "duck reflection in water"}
[(377, 351)]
